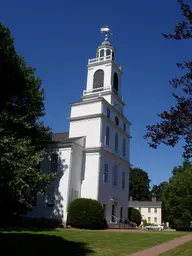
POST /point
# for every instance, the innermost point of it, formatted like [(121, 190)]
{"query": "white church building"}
[(92, 159)]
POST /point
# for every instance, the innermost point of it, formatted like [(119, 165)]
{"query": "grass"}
[(183, 250), (81, 242)]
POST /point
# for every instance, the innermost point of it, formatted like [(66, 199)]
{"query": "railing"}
[(118, 220), (100, 59), (99, 89)]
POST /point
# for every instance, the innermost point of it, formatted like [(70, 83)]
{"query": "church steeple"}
[(104, 75)]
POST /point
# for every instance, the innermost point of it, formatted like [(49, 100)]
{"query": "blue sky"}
[(57, 37)]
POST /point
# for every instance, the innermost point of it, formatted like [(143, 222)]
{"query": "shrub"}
[(145, 223), (134, 215), (86, 213)]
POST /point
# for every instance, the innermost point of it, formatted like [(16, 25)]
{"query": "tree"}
[(176, 123), (139, 184), (177, 198), (157, 190), (134, 215), (23, 137)]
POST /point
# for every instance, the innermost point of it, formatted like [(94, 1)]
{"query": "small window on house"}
[(149, 210), (108, 113), (115, 176), (124, 127), (149, 219), (124, 147), (107, 136), (105, 173), (155, 210), (54, 162), (116, 141), (101, 53), (123, 180), (155, 219), (117, 121)]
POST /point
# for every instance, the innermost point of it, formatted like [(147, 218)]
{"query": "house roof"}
[(145, 204)]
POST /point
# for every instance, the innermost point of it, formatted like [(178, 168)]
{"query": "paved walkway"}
[(157, 250)]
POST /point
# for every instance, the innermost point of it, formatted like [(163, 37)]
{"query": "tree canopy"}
[(157, 190), (23, 138), (177, 198), (139, 184), (176, 123)]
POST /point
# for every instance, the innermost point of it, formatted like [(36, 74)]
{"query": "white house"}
[(92, 159), (151, 211)]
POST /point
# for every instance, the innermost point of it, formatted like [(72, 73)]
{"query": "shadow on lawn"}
[(26, 243)]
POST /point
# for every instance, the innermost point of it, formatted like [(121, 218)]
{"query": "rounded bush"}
[(86, 213), (134, 215)]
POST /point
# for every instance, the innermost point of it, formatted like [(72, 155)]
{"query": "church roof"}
[(63, 137)]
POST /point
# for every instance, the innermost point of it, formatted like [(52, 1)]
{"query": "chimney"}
[(130, 198), (154, 199)]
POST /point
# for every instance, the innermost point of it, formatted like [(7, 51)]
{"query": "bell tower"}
[(104, 75)]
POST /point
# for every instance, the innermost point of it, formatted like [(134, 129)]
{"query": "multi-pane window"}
[(124, 127), (107, 136), (155, 219), (155, 210), (54, 162), (124, 147), (149, 219), (149, 210), (108, 113), (116, 141), (105, 173), (115, 176), (123, 180)]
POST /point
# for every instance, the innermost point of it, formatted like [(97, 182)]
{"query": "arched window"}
[(102, 53), (116, 142), (115, 82), (117, 121), (108, 52), (107, 136), (54, 162), (98, 79)]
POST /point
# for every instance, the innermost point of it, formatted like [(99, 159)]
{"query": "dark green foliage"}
[(176, 123), (177, 198), (22, 137), (157, 190), (86, 213), (134, 215), (139, 184)]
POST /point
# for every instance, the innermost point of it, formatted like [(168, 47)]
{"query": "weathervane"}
[(106, 30)]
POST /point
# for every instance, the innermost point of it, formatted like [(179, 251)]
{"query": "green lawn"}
[(81, 242), (183, 250)]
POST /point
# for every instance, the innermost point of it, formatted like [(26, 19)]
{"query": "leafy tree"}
[(176, 123), (23, 137), (134, 215), (139, 184), (157, 190), (177, 198)]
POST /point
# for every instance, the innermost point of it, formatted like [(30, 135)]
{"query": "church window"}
[(54, 162), (108, 113), (124, 127), (115, 82), (123, 180), (115, 176), (117, 121), (124, 147), (98, 79), (105, 174), (116, 142), (107, 136), (101, 53), (108, 52)]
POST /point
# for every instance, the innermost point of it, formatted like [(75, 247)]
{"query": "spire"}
[(106, 29)]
